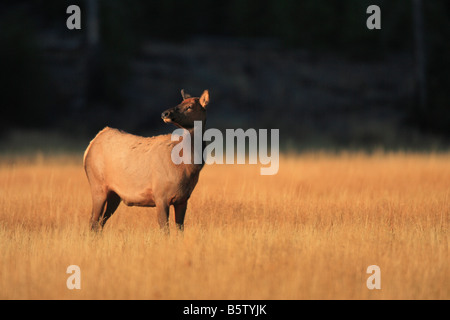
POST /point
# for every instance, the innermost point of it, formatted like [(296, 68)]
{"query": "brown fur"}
[(139, 170)]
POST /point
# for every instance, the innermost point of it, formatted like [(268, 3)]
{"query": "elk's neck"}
[(197, 148)]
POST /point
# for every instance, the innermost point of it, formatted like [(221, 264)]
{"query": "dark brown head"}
[(189, 110)]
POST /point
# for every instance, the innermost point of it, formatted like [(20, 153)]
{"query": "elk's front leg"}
[(180, 211), (163, 217)]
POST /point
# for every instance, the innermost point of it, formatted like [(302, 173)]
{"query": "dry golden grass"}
[(309, 232)]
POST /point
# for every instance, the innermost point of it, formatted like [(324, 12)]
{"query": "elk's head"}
[(189, 110)]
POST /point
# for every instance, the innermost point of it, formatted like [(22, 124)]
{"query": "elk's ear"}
[(204, 99), (185, 95)]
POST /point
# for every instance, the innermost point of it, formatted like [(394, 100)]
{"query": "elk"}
[(139, 171)]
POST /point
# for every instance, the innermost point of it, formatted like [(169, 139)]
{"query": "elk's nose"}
[(165, 114)]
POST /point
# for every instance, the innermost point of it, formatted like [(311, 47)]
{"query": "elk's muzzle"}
[(166, 116)]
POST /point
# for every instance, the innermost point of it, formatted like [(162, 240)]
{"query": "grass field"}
[(309, 232)]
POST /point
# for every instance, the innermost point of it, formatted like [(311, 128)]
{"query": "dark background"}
[(309, 68)]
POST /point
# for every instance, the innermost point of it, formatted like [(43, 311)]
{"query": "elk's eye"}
[(189, 107)]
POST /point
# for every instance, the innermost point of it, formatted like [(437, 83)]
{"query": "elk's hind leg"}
[(112, 202), (98, 206)]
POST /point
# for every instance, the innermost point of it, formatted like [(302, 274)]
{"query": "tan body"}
[(139, 171)]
